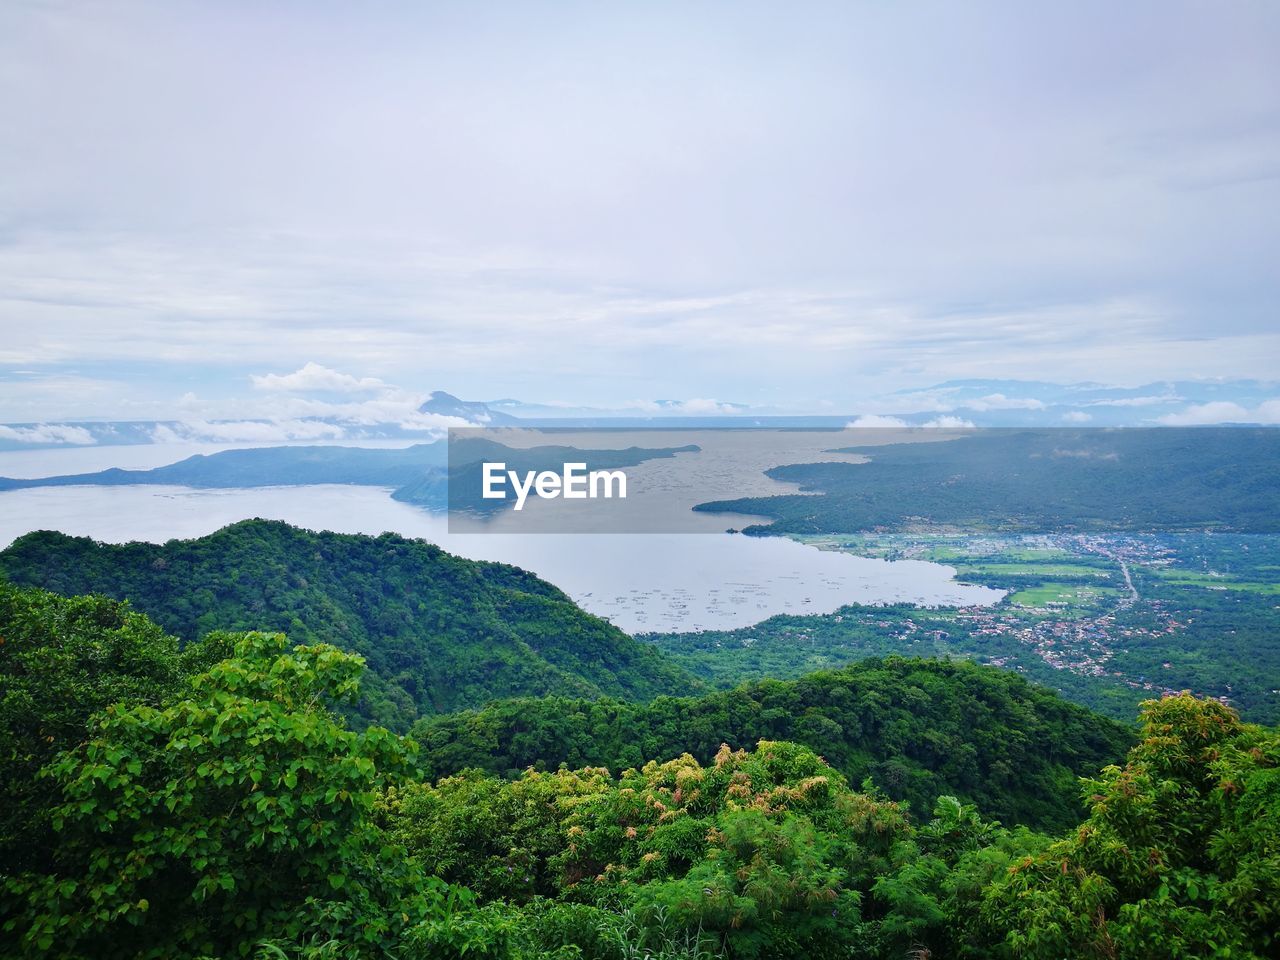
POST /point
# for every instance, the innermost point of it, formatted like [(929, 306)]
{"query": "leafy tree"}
[(1180, 853), (928, 902), (438, 632), (918, 728), (767, 887), (238, 813), (496, 837), (761, 854), (210, 802), (61, 661)]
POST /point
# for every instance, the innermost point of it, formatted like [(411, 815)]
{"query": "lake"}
[(648, 582)]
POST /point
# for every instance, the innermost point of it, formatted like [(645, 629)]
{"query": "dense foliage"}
[(61, 661), (238, 813), (439, 632), (1180, 853), (1039, 480), (771, 854), (914, 728), (222, 808), (762, 854)]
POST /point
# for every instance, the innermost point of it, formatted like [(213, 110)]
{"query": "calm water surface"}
[(661, 582)]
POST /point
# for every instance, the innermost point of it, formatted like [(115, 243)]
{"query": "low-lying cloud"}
[(312, 377), (874, 420), (1205, 414), (48, 433)]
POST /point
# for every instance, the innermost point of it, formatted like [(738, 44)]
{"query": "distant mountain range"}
[(1037, 481), (269, 467), (980, 402), (1017, 403), (954, 403), (473, 411), (418, 474)]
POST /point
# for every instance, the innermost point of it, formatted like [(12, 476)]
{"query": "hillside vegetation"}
[(438, 632), (218, 806), (1034, 481), (912, 729)]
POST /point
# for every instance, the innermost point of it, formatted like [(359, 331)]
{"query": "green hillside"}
[(914, 728), (439, 632), (210, 803), (1033, 481)]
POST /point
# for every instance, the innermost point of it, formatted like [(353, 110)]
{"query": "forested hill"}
[(208, 803), (439, 632), (915, 728), (1036, 481), (270, 467)]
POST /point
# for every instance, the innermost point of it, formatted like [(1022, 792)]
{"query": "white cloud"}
[(53, 396), (1222, 411), (1076, 416), (246, 431), (283, 405), (313, 378), (875, 420), (1135, 401), (998, 401), (699, 405), (397, 407), (915, 401), (47, 433), (696, 406)]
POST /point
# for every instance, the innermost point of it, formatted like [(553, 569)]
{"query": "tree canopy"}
[(438, 632), (214, 803)]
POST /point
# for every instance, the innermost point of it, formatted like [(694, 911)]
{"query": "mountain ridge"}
[(439, 632)]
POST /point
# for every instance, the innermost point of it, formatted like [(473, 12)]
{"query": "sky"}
[(796, 206)]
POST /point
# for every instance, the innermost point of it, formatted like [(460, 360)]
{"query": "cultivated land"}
[(1108, 620)]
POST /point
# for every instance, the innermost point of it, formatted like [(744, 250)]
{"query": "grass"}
[(1184, 578), (1071, 594), (988, 568)]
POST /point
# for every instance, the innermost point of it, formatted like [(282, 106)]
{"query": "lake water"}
[(659, 582)]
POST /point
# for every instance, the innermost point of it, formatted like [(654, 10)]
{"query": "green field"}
[(1032, 568), (1211, 581), (1071, 594)]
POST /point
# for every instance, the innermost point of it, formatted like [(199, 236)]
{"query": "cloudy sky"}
[(795, 205)]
